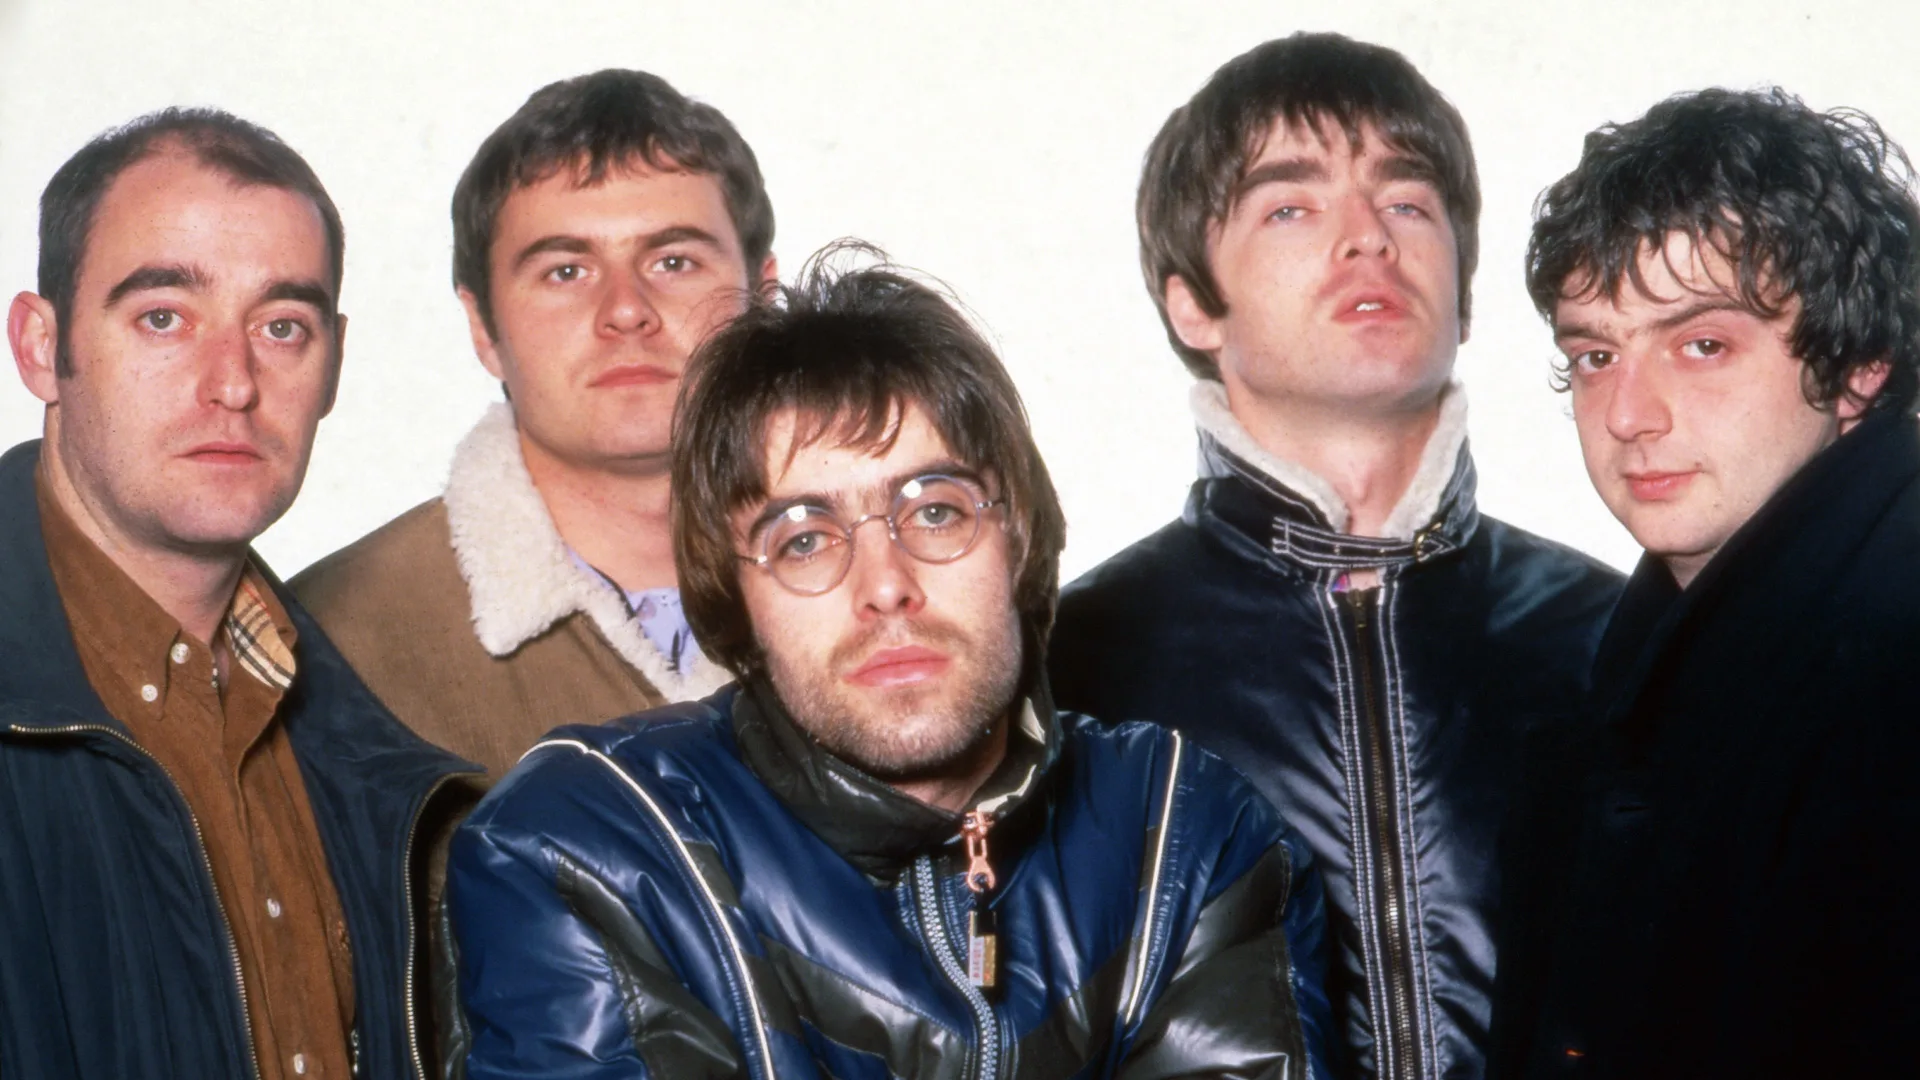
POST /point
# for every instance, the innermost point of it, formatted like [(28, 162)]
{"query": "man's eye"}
[(568, 272), (1592, 360), (1288, 213), (935, 516), (1408, 209), (161, 320), (1705, 348), (676, 264), (804, 546), (286, 330)]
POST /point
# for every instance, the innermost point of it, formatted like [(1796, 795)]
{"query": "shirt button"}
[(300, 1064), (179, 652), (273, 908), (149, 693)]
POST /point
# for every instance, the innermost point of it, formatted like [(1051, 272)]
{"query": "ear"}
[(1863, 385), (339, 355), (1197, 329), (769, 274), (34, 333), (483, 345)]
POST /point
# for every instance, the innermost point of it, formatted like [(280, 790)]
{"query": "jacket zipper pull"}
[(983, 953)]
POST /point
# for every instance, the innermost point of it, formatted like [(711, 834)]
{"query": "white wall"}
[(994, 144)]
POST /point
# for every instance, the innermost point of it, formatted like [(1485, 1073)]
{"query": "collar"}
[(1297, 516), (1787, 558), (873, 826), (520, 575)]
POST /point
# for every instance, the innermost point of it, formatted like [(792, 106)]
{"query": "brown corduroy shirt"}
[(229, 755)]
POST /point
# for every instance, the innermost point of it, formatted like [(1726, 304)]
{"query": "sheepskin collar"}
[(1441, 489), (517, 568)]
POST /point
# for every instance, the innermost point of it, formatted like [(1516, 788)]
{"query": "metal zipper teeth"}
[(406, 895), (933, 927), (206, 863), (1397, 964), (693, 871), (1135, 992)]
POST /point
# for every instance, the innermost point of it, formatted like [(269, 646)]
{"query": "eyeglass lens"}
[(935, 519)]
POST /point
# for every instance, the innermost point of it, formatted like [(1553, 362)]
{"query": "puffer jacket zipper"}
[(1396, 1049), (925, 892), (206, 865)]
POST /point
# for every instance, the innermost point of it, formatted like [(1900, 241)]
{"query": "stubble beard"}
[(903, 734)]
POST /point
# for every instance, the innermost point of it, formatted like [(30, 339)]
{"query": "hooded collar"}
[(872, 825), (519, 573), (1298, 517)]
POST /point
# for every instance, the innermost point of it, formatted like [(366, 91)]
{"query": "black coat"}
[(1725, 882), (1387, 725), (115, 959)]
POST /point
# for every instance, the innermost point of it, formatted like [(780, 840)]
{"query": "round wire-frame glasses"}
[(934, 518)]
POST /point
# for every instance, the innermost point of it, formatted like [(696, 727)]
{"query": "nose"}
[(227, 370), (1637, 402), (625, 308), (883, 576), (1363, 230)]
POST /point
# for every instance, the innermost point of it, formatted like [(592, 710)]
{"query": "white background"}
[(995, 145)]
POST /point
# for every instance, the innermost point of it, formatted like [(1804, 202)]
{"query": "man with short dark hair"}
[(205, 818), (1332, 614), (1725, 889), (883, 853), (599, 234)]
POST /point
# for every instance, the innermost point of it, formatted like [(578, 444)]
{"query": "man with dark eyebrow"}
[(599, 235), (1721, 882), (1333, 614), (205, 818)]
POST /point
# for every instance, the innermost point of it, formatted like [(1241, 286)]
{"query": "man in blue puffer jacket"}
[(882, 853)]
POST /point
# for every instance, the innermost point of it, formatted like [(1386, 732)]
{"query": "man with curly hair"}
[(1721, 888)]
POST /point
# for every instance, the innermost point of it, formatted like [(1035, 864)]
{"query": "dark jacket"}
[(116, 962), (1727, 884), (700, 891), (1384, 724)]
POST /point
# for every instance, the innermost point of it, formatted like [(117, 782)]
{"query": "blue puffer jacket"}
[(116, 962), (701, 892)]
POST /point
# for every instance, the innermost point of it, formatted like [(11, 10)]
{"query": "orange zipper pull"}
[(979, 871)]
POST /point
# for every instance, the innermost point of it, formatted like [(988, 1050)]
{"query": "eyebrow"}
[(1404, 167), (876, 493), (580, 245), (1293, 170), (150, 277), (306, 291), (1563, 331)]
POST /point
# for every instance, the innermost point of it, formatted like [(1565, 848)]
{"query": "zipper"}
[(933, 927), (752, 1009), (1389, 875), (407, 980), (1137, 989), (206, 864)]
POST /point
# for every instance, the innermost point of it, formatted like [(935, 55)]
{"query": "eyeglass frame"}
[(764, 560)]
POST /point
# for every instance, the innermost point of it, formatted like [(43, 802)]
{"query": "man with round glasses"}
[(882, 853)]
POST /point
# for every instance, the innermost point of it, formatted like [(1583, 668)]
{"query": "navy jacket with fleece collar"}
[(701, 891), (116, 961)]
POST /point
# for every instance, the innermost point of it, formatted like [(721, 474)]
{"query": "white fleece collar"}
[(1418, 504), (517, 568)]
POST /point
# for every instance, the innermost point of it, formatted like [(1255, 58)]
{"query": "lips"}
[(632, 375), (1369, 303), (1655, 486), (900, 666), (224, 453)]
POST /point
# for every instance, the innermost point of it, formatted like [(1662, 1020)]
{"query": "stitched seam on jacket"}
[(738, 975), (1416, 900)]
